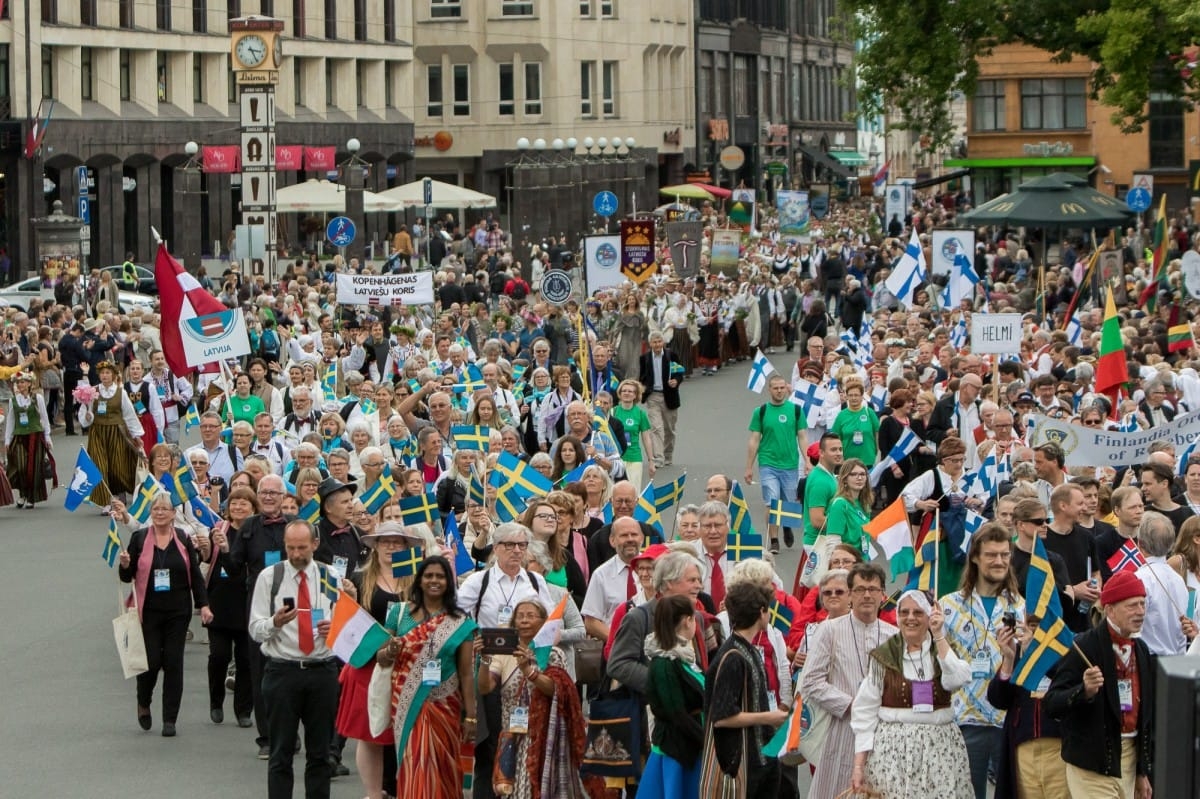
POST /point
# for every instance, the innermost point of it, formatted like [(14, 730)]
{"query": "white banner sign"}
[(948, 244), (603, 257), (996, 333), (1089, 446), (894, 203), (214, 337), (415, 288)]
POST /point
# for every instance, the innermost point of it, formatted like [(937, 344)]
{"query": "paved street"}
[(68, 719)]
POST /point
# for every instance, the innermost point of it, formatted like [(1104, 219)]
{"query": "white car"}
[(21, 294)]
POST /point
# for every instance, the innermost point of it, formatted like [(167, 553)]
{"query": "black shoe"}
[(789, 538), (264, 752), (144, 717), (337, 769), (217, 715), (774, 546), (168, 729), (244, 721)]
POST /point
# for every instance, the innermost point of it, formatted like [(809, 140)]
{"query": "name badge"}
[(772, 704), (162, 392), (139, 407), (23, 418), (519, 720), (162, 579), (981, 665), (504, 616), (858, 438), (1125, 695), (271, 557), (1042, 687), (338, 567), (922, 696), (318, 615), (102, 406), (431, 674)]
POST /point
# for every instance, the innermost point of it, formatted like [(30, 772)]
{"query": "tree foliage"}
[(918, 55)]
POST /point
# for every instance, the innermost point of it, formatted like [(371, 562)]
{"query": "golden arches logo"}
[(1196, 179), (1005, 206), (1072, 208)]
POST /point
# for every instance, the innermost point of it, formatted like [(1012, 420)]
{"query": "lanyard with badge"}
[(981, 654), (431, 671), (505, 613), (22, 413), (162, 575)]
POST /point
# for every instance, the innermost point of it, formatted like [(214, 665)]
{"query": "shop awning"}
[(1004, 163), (849, 157), (940, 179), (821, 158)]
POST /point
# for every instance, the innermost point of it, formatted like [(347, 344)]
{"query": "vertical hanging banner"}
[(685, 238), (949, 245), (220, 158), (741, 209), (637, 250), (794, 213), (726, 249), (603, 257), (320, 158)]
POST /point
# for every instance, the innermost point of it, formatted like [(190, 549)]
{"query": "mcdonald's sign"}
[(1194, 179), (1072, 208)]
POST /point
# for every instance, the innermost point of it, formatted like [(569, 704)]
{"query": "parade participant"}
[(164, 566), (1185, 556), (562, 542), (829, 598), (174, 395), (114, 435), (973, 616), (431, 717), (223, 459), (821, 486), (27, 443), (1158, 483), (717, 488), (568, 456), (266, 444), (291, 619), (959, 411), (1166, 629), (556, 406), (639, 445), (777, 436), (905, 741), (850, 508), (452, 486), (739, 715), (598, 446), (892, 427), (1103, 698), (1128, 507), (338, 543), (623, 502), (660, 395), (1065, 539), (228, 599), (614, 581), (242, 405), (302, 419), (837, 663), (857, 424)]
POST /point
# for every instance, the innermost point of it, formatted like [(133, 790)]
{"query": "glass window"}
[(197, 78), (741, 85), (533, 89), (1053, 104), (721, 96), (516, 8), (389, 20), (298, 81), (162, 14), (360, 20), (988, 106), (330, 83), (585, 8), (47, 71), (587, 80), (86, 74), (162, 72), (608, 88), (508, 91), (439, 9), (331, 9), (234, 8), (125, 13), (1166, 128), (126, 92), (433, 93), (199, 16), (797, 82), (608, 8), (49, 11), (360, 83), (704, 82), (462, 90), (391, 74), (87, 12), (298, 21)]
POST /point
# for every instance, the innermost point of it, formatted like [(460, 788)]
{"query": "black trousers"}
[(225, 644), (71, 378), (165, 635), (487, 735), (300, 695), (256, 691)]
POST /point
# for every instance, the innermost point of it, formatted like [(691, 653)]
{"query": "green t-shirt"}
[(244, 410), (845, 519), (819, 490), (635, 421), (859, 432), (779, 425)]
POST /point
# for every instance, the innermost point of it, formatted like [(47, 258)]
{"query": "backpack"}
[(762, 412), (268, 345), (520, 289), (483, 587), (277, 580)]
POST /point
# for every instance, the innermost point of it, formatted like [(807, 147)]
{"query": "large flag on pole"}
[(180, 298), (891, 531), (1111, 370), (1051, 637), (909, 273), (1161, 243)]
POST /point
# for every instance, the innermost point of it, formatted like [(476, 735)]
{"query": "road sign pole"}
[(429, 235)]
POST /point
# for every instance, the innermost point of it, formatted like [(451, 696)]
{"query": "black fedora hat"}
[(330, 486)]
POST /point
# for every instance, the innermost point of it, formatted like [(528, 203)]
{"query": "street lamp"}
[(352, 179), (187, 215)]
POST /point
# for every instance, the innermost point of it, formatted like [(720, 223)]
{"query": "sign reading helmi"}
[(996, 333)]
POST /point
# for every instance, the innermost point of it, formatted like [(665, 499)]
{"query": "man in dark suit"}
[(1105, 704), (1155, 407), (660, 394)]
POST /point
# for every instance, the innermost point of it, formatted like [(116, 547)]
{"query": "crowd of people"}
[(677, 656)]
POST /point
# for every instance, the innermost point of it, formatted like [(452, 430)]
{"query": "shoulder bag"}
[(131, 645)]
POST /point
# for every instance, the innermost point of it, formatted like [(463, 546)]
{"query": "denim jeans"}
[(982, 744)]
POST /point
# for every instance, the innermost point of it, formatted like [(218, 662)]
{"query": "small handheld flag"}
[(311, 511), (463, 562), (179, 485), (1128, 558), (379, 493), (354, 636), (739, 512), (744, 547), (760, 370), (470, 437), (646, 511), (85, 479), (204, 514), (475, 492), (112, 544), (549, 634), (140, 507), (421, 509), (1051, 638), (666, 496), (329, 382), (780, 617), (405, 563), (191, 419), (891, 531), (785, 514)]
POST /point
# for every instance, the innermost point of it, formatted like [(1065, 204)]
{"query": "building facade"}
[(774, 81), (1030, 116), (133, 81), (554, 75)]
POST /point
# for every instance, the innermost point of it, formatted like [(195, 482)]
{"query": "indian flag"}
[(890, 530), (354, 635), (1179, 337), (549, 634), (785, 744)]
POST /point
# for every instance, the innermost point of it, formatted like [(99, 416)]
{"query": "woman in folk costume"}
[(114, 435), (27, 440), (146, 404)]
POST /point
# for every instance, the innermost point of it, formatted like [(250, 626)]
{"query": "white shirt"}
[(275, 450), (1166, 601), (922, 488), (219, 462), (502, 591), (608, 589), (283, 642)]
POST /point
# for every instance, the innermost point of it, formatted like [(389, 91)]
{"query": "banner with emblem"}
[(637, 250), (742, 209), (685, 238), (407, 289), (1090, 446), (602, 255), (726, 249), (214, 337), (794, 213)]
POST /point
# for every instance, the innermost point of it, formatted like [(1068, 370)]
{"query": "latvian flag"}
[(182, 299), (1127, 558)]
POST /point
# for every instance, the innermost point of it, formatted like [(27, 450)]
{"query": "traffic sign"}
[(81, 180), (427, 186), (85, 247), (1141, 180), (340, 231), (1138, 200), (556, 286), (85, 232), (85, 209), (605, 203)]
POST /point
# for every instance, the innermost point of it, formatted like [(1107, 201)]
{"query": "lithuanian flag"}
[(1179, 337), (1111, 369), (1149, 298)]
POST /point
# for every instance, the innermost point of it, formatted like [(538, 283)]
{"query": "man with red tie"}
[(615, 581), (290, 616)]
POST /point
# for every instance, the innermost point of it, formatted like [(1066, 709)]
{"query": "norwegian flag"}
[(181, 298), (1127, 558)]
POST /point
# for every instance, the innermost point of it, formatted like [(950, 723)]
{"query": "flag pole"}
[(1086, 662), (937, 525)]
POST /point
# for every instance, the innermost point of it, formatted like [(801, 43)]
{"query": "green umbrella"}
[(1049, 202)]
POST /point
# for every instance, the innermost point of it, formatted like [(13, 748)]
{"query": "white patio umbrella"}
[(445, 195), (321, 196)]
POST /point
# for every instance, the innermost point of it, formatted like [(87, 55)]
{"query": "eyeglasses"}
[(1037, 522), (834, 592), (513, 544), (1092, 422), (376, 465), (862, 590), (270, 493), (546, 517)]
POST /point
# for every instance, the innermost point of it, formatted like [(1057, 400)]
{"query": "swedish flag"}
[(421, 509), (509, 505), (739, 512), (1051, 638), (112, 544), (600, 423), (368, 406), (378, 493), (329, 583), (405, 562), (179, 485), (475, 492), (518, 371), (780, 617), (470, 437), (785, 514), (311, 511), (512, 472), (744, 547), (670, 494), (677, 369), (473, 379), (329, 382), (191, 419), (646, 510), (146, 492), (921, 577)]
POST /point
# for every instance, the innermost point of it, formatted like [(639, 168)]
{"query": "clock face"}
[(251, 50), (278, 54)]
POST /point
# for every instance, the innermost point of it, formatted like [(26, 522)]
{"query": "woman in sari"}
[(546, 739), (433, 694)]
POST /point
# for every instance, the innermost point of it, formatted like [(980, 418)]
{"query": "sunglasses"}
[(834, 592), (1037, 522)]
